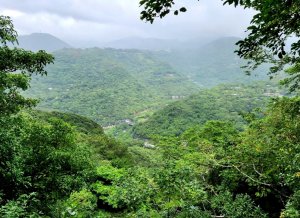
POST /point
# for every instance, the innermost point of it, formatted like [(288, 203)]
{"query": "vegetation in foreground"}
[(60, 165)]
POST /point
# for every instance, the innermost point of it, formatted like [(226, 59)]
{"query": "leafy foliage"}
[(206, 162), (16, 67), (266, 158), (157, 8), (274, 23)]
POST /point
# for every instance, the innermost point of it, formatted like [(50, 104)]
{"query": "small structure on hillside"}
[(148, 145), (129, 122)]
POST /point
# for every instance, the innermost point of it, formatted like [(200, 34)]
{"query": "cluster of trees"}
[(210, 170), (231, 102), (107, 85), (137, 80), (62, 165), (47, 156), (44, 157)]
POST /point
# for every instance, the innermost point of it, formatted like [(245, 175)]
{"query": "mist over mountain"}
[(212, 63), (41, 41), (205, 61), (156, 44), (143, 43)]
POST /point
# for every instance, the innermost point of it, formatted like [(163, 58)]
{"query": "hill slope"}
[(41, 41), (211, 64), (225, 102), (108, 85)]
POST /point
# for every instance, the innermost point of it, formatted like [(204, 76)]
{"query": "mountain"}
[(113, 85), (206, 63), (108, 85), (211, 64), (143, 43), (41, 41), (225, 102), (156, 44)]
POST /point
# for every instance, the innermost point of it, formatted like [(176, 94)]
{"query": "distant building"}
[(148, 145), (129, 122)]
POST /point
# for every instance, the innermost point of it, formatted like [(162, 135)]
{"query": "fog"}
[(96, 22)]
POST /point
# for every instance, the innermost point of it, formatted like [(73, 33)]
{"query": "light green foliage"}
[(80, 204), (109, 149), (271, 145), (219, 133), (108, 172), (21, 207), (292, 208), (265, 162), (145, 157), (174, 187), (41, 153), (159, 191), (209, 145), (239, 206), (91, 134), (41, 157), (81, 124)]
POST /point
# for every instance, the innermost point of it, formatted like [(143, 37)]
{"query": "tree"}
[(274, 23), (266, 161), (16, 68)]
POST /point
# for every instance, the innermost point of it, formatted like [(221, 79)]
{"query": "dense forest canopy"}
[(108, 85), (123, 83), (208, 155)]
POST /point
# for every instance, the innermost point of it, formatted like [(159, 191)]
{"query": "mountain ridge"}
[(41, 41)]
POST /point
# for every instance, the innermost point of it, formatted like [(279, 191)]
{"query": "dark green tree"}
[(16, 67), (266, 161)]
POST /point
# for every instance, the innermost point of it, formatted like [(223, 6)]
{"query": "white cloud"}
[(94, 21)]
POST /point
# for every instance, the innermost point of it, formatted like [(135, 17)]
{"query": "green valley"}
[(175, 131), (108, 85)]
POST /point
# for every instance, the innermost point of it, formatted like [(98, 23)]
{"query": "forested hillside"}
[(182, 148), (108, 85), (225, 102), (212, 63), (111, 85)]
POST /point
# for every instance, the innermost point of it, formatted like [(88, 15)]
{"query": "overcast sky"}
[(92, 22)]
